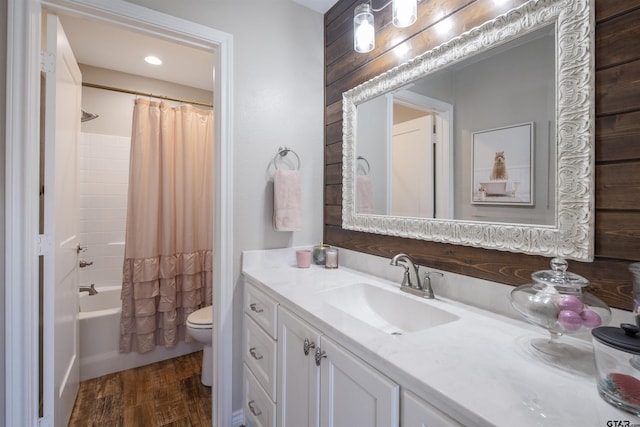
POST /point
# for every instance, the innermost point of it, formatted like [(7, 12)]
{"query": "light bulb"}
[(405, 12), (153, 60), (364, 37)]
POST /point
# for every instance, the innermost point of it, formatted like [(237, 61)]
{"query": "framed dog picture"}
[(502, 162)]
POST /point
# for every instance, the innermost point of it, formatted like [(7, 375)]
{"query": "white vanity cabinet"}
[(260, 357), (322, 384), (416, 412)]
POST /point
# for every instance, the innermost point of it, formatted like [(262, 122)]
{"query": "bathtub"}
[(99, 330)]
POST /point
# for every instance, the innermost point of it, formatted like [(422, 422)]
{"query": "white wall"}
[(115, 109), (3, 67), (278, 100), (103, 162)]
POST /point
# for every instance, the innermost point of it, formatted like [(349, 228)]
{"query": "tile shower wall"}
[(104, 176)]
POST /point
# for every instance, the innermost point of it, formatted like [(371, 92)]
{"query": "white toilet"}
[(199, 324)]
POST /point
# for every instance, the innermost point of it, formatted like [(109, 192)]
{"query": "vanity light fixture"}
[(405, 13), (153, 60)]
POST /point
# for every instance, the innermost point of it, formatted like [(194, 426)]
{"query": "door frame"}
[(23, 245)]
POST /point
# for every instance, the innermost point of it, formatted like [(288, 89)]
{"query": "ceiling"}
[(318, 5), (116, 48)]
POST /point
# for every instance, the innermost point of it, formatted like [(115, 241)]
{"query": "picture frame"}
[(502, 165)]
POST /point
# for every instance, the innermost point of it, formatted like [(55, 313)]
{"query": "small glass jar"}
[(332, 258), (617, 355), (319, 253)]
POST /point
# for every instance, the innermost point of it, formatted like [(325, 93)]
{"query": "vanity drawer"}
[(420, 413), (261, 308), (260, 410), (259, 351)]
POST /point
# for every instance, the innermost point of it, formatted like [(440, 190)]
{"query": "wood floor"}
[(167, 393)]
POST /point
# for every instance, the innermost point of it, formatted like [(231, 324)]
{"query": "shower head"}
[(87, 116)]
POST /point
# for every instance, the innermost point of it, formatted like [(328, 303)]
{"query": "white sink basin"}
[(391, 312)]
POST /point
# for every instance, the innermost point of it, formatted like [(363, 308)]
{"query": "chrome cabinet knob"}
[(320, 354), (254, 308), (308, 345), (252, 352), (253, 409), (84, 263)]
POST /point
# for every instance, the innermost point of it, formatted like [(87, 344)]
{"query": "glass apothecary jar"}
[(617, 354), (557, 302)]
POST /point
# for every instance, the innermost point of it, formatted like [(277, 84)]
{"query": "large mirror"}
[(486, 140)]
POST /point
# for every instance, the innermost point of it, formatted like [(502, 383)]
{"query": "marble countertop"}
[(479, 369)]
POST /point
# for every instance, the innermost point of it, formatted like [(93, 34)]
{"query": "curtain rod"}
[(135, 92)]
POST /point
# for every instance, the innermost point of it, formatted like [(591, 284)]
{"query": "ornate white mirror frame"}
[(572, 236)]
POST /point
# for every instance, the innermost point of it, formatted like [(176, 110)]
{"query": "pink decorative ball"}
[(571, 303), (591, 319), (569, 320)]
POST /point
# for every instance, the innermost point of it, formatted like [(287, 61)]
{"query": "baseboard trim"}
[(237, 418)]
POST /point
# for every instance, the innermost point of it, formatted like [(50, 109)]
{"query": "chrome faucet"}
[(91, 289), (407, 282), (421, 289)]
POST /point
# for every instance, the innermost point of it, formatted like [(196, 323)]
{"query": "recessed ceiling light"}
[(153, 60)]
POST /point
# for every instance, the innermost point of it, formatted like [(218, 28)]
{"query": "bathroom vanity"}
[(346, 348)]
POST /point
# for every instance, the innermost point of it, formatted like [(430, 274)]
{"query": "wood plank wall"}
[(617, 221)]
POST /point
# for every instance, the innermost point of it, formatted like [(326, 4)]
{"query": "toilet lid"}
[(202, 317)]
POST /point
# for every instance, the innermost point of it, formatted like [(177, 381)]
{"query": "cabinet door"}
[(353, 393), (418, 413), (299, 377)]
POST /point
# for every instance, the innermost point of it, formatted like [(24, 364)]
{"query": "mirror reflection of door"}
[(405, 140), (421, 181), (412, 177)]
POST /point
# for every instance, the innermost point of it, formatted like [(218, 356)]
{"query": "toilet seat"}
[(201, 319)]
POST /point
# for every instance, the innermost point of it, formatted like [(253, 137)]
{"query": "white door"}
[(413, 169), (354, 394), (299, 376), (62, 88)]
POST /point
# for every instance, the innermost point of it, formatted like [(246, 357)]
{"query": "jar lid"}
[(624, 338), (559, 276)]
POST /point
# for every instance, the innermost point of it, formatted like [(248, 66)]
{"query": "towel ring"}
[(367, 163), (282, 152)]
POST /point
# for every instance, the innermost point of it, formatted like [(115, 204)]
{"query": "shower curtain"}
[(167, 272)]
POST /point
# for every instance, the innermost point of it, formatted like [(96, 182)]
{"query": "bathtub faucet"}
[(91, 289)]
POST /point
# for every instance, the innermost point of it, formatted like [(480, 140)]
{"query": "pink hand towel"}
[(364, 194), (287, 201)]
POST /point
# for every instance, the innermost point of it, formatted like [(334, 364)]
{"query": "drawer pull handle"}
[(320, 354), (253, 308), (253, 410), (308, 345), (252, 352)]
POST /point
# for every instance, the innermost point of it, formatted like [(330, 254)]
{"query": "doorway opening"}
[(23, 60)]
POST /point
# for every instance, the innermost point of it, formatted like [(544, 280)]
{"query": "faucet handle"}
[(429, 273), (427, 277), (426, 283)]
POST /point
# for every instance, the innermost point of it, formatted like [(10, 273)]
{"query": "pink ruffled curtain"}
[(167, 271)]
